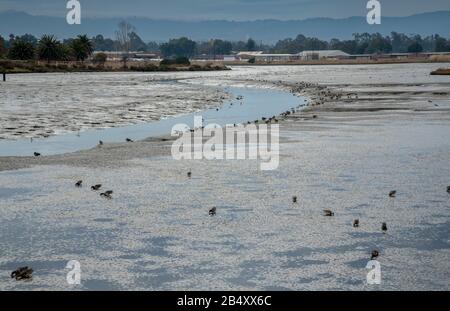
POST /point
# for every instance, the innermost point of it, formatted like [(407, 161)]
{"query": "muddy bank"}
[(441, 71), (15, 67), (43, 105)]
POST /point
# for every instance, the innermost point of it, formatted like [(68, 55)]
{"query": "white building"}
[(328, 54), (275, 57), (230, 58), (248, 54)]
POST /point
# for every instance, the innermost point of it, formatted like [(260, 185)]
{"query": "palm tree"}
[(21, 50), (49, 48), (81, 47)]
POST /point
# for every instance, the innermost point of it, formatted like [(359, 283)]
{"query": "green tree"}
[(136, 43), (415, 47), (29, 38), (215, 47), (179, 47), (348, 46), (239, 46), (21, 50), (251, 45), (81, 47), (102, 44), (441, 44), (65, 52), (153, 47), (49, 48), (2, 47)]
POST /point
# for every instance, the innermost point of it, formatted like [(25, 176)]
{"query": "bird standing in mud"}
[(100, 143), (384, 227), (96, 187), (189, 174), (213, 211), (356, 223), (375, 254), (79, 184), (448, 189), (37, 154), (294, 199), (328, 213), (129, 140), (23, 273), (107, 194), (392, 194)]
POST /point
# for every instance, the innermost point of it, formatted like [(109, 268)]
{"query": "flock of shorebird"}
[(25, 273), (106, 194), (330, 213), (384, 228)]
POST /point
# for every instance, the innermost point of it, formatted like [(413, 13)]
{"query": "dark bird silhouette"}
[(107, 194), (328, 213), (37, 154), (79, 184), (129, 140), (100, 143), (448, 189), (384, 227), (294, 199), (392, 194), (189, 174), (212, 212), (23, 273), (375, 254), (96, 187), (356, 223)]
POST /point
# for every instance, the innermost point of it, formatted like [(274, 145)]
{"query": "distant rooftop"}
[(324, 53)]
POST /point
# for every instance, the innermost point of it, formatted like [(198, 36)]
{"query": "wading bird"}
[(107, 194), (375, 254), (328, 213), (79, 184), (23, 273), (96, 187)]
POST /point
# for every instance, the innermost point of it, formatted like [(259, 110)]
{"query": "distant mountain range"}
[(268, 31)]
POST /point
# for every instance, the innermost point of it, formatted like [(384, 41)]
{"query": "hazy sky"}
[(226, 9)]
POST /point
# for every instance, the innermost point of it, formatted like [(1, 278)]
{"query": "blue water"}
[(256, 103)]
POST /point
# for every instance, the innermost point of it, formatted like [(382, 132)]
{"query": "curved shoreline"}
[(256, 104)]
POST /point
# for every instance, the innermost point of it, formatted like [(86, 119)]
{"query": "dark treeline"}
[(366, 43), (79, 48)]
